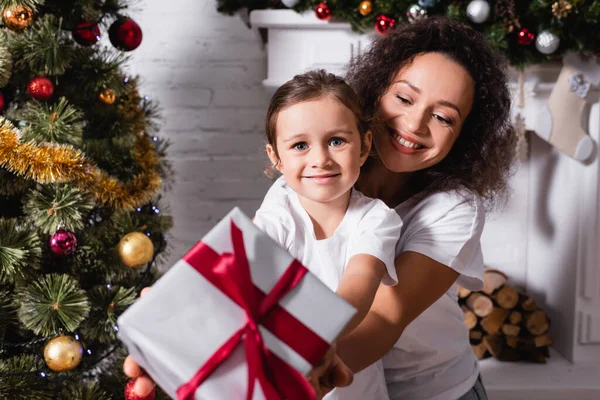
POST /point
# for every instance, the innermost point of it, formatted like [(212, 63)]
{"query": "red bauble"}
[(63, 243), (86, 33), (2, 102), (40, 88), (125, 34), (322, 11), (383, 24), (129, 395), (524, 37)]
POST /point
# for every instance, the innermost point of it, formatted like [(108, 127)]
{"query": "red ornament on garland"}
[(322, 11), (383, 24), (130, 395), (63, 243), (524, 37), (125, 34), (40, 88), (2, 102), (86, 33)]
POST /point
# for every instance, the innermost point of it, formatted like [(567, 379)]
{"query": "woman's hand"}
[(331, 373)]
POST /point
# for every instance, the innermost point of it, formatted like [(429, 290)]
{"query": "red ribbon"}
[(230, 273)]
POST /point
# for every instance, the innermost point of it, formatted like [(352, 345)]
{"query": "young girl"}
[(318, 140)]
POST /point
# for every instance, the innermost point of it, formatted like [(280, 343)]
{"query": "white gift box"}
[(178, 325)]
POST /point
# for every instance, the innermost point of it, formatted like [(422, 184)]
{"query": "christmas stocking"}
[(560, 120)]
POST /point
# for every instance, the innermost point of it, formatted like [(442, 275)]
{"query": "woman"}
[(444, 145)]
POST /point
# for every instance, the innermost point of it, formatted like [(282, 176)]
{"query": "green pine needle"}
[(29, 3), (59, 123), (6, 62), (20, 249), (8, 310), (57, 206), (27, 386), (12, 184), (84, 391), (107, 305), (51, 304)]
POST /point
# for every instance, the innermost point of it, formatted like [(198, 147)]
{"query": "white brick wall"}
[(205, 69)]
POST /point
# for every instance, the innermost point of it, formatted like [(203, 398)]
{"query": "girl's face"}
[(423, 112), (320, 150)]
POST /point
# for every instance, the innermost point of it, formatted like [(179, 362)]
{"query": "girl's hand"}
[(331, 373)]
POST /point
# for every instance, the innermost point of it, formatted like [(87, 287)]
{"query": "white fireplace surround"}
[(547, 239)]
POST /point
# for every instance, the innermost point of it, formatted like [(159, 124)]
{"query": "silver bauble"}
[(547, 42), (290, 3), (478, 11), (415, 13)]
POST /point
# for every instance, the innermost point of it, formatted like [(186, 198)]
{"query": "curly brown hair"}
[(482, 157)]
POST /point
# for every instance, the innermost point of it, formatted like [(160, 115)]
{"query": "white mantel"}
[(547, 239)]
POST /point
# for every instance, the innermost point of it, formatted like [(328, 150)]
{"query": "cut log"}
[(479, 350), (515, 318), (492, 280), (475, 335), (481, 304), (463, 293), (507, 297), (470, 318), (543, 340), (536, 356), (493, 344), (537, 322), (519, 343), (511, 330), (509, 354), (494, 321), (528, 303)]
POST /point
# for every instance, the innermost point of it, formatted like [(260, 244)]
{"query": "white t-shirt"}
[(433, 359), (368, 227)]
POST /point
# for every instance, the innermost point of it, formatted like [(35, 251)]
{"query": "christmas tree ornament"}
[(62, 353), (63, 242), (524, 37), (86, 33), (478, 11), (561, 9), (428, 3), (40, 88), (290, 3), (547, 42), (2, 102), (322, 11), (562, 120), (18, 17), (383, 24), (135, 249), (365, 8), (130, 395), (415, 13), (125, 34), (107, 96)]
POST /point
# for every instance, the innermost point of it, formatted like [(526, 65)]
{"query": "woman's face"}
[(423, 112)]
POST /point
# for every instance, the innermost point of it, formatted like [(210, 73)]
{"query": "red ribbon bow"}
[(230, 273)]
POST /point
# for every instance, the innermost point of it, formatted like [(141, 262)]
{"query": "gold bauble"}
[(365, 8), (18, 17), (561, 9), (135, 249), (62, 353), (107, 96)]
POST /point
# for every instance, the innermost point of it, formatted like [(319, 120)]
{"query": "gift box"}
[(236, 318)]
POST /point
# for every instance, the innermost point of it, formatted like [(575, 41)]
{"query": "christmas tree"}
[(81, 227)]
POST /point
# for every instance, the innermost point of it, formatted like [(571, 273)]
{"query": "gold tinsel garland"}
[(52, 163)]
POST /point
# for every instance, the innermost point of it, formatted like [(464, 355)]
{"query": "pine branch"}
[(29, 3), (11, 184), (58, 123), (8, 310), (84, 391), (57, 206), (107, 304), (18, 380), (52, 303), (6, 62), (20, 249)]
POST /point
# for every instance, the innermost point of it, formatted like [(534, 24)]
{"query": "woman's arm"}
[(421, 282)]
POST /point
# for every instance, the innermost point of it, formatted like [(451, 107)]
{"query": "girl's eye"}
[(300, 146), (442, 119), (336, 142), (402, 99)]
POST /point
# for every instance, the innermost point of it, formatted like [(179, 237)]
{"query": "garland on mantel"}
[(528, 32)]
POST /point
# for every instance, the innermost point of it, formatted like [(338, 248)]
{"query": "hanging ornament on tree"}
[(130, 395), (322, 11), (290, 3), (524, 37), (125, 34), (383, 24), (2, 102), (415, 13), (63, 242), (40, 88), (86, 33), (365, 8), (478, 11), (18, 17), (135, 249), (547, 42), (62, 353), (561, 9), (107, 96)]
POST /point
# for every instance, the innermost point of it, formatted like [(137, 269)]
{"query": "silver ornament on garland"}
[(415, 13), (290, 3), (547, 42), (478, 11)]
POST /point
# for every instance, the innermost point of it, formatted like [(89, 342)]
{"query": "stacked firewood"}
[(505, 323)]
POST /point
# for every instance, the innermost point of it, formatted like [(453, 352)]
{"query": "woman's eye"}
[(442, 119), (300, 146), (402, 99), (336, 142)]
